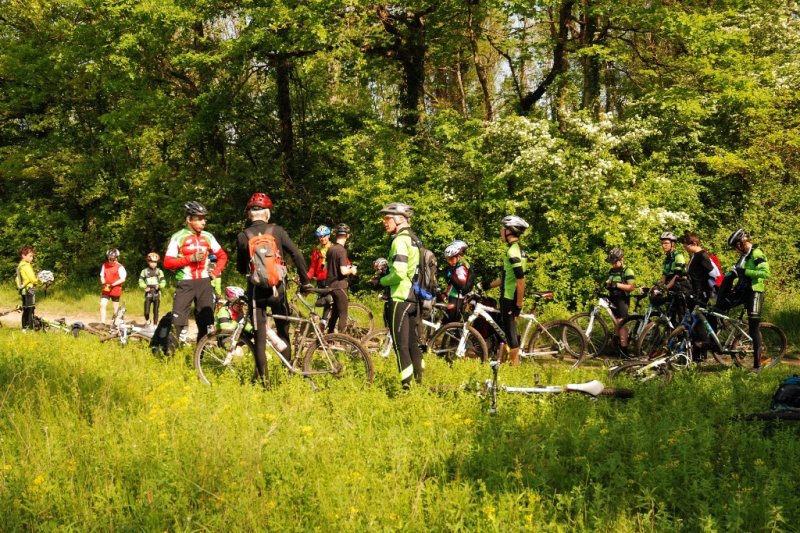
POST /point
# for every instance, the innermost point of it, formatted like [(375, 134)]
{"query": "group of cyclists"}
[(198, 261)]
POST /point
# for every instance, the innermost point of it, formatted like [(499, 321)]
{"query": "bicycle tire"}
[(727, 336), (639, 370), (652, 338), (631, 324), (598, 338), (350, 356), (773, 347), (210, 357), (563, 337), (444, 343), (377, 341), (616, 392), (679, 348), (360, 321)]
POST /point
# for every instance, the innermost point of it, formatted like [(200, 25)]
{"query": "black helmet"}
[(515, 224), (195, 209), (737, 236), (398, 208), (342, 229), (614, 255)]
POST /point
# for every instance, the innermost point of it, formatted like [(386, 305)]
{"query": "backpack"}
[(266, 263), (787, 397), (715, 276), (424, 280), (165, 340)]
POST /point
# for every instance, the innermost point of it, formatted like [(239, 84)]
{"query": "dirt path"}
[(12, 320)]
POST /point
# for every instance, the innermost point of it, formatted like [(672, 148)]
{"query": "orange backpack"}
[(266, 264)]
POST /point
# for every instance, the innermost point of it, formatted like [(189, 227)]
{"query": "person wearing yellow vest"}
[(26, 285), (152, 280), (112, 276)]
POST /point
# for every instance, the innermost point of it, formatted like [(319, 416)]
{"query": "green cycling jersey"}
[(514, 265), (403, 262)]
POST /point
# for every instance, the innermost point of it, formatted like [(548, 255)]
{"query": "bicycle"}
[(222, 354), (555, 338), (360, 320), (125, 331), (380, 340), (594, 326), (593, 388), (44, 324)]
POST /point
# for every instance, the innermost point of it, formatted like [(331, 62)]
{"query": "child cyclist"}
[(26, 285), (112, 276), (152, 280), (459, 276), (620, 284)]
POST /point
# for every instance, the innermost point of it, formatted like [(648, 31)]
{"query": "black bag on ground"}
[(165, 340)]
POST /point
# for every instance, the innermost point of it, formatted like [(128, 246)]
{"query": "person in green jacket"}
[(751, 270), (152, 280), (401, 310), (26, 285)]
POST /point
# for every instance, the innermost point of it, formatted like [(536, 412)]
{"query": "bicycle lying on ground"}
[(730, 343), (315, 354), (44, 324), (554, 339), (124, 331), (592, 388)]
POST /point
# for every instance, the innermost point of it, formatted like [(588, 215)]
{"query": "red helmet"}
[(261, 200)]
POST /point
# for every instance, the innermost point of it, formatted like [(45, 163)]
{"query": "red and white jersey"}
[(111, 273), (183, 245)]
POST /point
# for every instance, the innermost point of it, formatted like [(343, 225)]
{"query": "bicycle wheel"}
[(445, 342), (360, 321), (558, 338), (379, 341), (217, 360), (728, 337), (773, 347), (339, 355), (597, 337), (642, 370), (632, 324), (678, 348), (652, 338)]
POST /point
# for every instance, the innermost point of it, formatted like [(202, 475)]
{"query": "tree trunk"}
[(286, 133), (480, 67)]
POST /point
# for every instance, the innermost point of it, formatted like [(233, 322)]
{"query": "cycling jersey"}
[(756, 268), (403, 263), (514, 264), (459, 279), (674, 264), (185, 243), (150, 277), (110, 273)]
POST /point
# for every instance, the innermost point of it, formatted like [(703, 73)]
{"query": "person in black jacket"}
[(258, 213), (698, 272)]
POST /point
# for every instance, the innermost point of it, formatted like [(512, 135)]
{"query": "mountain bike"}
[(44, 324), (360, 320), (223, 355), (380, 340), (593, 388), (554, 339), (125, 331)]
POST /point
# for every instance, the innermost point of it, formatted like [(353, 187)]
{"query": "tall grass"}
[(97, 437)]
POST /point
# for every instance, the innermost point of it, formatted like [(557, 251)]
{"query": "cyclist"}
[(511, 282), (188, 252), (26, 285), (751, 270), (401, 311), (620, 283), (698, 272), (459, 276), (258, 214), (152, 280), (112, 276), (673, 278), (338, 270), (318, 270)]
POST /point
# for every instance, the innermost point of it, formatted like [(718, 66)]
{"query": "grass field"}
[(97, 437)]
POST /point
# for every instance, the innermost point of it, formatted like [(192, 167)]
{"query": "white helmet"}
[(45, 276), (233, 293), (668, 236), (515, 224), (455, 248)]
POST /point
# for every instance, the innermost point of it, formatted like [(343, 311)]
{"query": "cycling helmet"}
[(614, 255), (668, 236), (212, 258), (152, 257), (342, 229), (112, 253), (233, 293), (398, 208), (455, 248), (45, 276), (737, 236), (381, 264), (515, 224), (322, 231), (195, 209), (259, 200)]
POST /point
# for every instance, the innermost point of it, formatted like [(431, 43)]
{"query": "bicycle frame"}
[(602, 305)]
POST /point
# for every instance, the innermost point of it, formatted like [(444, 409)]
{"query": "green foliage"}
[(107, 437)]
